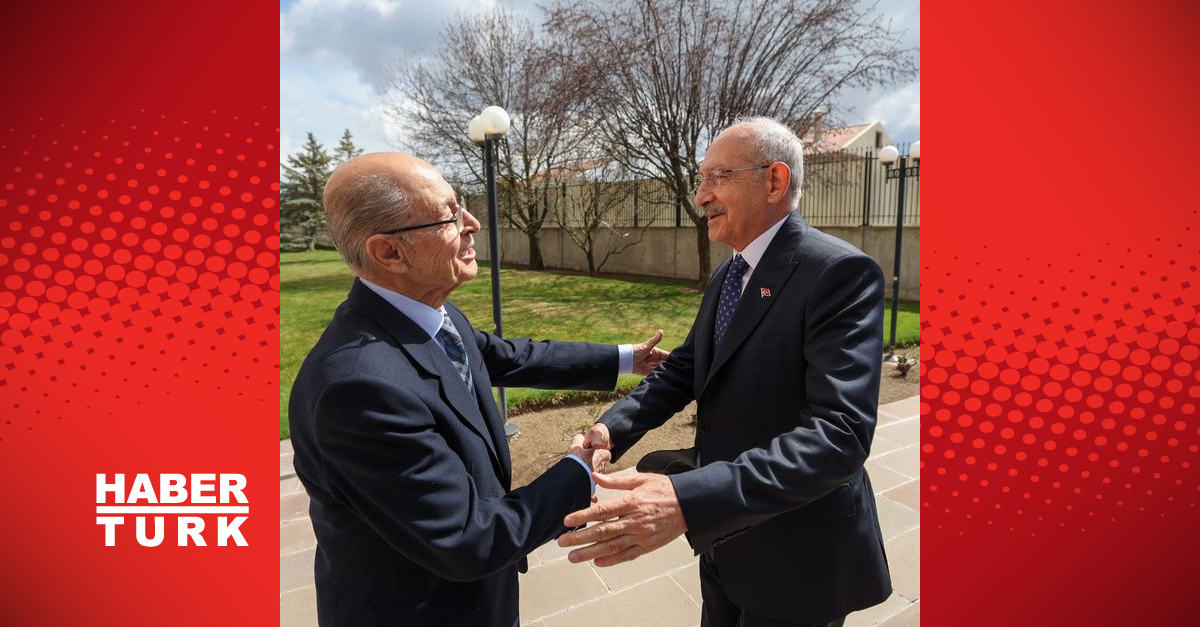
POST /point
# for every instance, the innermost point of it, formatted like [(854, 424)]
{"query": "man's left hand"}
[(647, 355), (646, 519)]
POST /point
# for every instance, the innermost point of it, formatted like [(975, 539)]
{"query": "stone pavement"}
[(660, 589)]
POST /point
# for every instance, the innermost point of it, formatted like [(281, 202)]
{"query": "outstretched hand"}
[(646, 518), (596, 458), (647, 356), (597, 437)]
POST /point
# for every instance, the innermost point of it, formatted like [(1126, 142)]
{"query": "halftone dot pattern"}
[(1060, 396), (129, 343), (139, 258)]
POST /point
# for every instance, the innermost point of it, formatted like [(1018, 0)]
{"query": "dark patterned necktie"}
[(452, 343), (731, 292)]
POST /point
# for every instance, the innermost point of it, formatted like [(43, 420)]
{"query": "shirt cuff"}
[(586, 468), (625, 359)]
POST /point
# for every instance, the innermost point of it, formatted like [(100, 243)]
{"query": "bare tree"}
[(587, 209), (661, 77), (491, 58)]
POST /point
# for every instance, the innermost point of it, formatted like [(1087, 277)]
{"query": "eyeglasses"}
[(717, 178), (456, 219)]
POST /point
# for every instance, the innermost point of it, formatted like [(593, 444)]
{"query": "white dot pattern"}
[(731, 292)]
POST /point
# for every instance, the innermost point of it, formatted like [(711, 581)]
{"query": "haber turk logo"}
[(192, 501)]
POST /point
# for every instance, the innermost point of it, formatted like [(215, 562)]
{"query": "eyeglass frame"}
[(457, 218), (721, 175)]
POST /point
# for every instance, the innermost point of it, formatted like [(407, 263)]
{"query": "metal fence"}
[(847, 188), (851, 188)]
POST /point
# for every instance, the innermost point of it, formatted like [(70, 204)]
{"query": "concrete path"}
[(660, 589)]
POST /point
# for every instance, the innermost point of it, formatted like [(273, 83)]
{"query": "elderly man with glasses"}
[(784, 362), (397, 438)]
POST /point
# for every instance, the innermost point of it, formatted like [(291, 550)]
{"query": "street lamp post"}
[(486, 130), (888, 155)]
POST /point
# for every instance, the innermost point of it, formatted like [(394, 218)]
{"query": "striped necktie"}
[(452, 343)]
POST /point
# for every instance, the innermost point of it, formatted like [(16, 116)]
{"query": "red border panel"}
[(139, 295), (1060, 334)]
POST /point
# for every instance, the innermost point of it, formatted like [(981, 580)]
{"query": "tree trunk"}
[(703, 247), (591, 257), (312, 241), (535, 252)]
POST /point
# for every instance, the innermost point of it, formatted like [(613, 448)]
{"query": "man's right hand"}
[(596, 458), (598, 438)]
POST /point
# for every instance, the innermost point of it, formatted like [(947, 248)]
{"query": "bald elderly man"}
[(397, 439)]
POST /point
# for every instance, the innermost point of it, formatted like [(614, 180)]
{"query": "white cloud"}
[(897, 106), (334, 56), (325, 99), (285, 34), (369, 34), (286, 145), (900, 112)]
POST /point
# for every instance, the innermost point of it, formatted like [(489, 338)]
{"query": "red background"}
[(139, 301), (1059, 314), (1059, 265)]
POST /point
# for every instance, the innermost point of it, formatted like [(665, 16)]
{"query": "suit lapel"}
[(705, 322), (762, 292), (483, 397), (429, 356)]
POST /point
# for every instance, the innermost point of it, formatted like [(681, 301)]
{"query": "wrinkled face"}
[(734, 203), (438, 257)]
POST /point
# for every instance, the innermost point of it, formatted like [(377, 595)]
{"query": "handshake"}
[(596, 457), (646, 518), (594, 448)]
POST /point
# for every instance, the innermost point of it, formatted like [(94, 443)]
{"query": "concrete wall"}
[(671, 252)]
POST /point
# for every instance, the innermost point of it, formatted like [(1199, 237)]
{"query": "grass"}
[(908, 322), (540, 305)]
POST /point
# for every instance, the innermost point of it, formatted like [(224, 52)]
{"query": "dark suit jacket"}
[(408, 471), (787, 408)]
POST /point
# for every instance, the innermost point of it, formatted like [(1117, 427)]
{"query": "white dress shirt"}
[(757, 248)]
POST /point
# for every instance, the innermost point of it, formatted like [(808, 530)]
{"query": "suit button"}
[(703, 428)]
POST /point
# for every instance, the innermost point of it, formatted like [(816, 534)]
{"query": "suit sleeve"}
[(548, 364), (385, 458), (843, 348), (658, 397)]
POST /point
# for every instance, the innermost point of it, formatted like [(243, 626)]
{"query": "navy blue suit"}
[(408, 470), (787, 403)]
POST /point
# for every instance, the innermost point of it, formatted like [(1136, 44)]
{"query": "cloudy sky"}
[(334, 57)]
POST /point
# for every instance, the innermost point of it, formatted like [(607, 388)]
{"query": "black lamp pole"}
[(489, 166), (902, 172)]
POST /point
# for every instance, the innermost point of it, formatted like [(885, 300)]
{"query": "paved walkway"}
[(660, 589)]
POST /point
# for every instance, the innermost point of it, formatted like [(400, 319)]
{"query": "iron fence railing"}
[(848, 188)]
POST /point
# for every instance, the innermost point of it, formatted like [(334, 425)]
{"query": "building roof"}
[(833, 139), (576, 170)]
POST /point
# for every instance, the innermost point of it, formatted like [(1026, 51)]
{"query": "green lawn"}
[(540, 305)]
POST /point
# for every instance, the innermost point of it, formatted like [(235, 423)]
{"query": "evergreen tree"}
[(346, 150), (303, 189)]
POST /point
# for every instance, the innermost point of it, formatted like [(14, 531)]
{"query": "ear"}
[(387, 253), (779, 177)]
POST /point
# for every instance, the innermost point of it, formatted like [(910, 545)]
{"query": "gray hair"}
[(369, 204), (775, 142)]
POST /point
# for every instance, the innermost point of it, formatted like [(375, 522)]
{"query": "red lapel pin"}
[(764, 292)]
